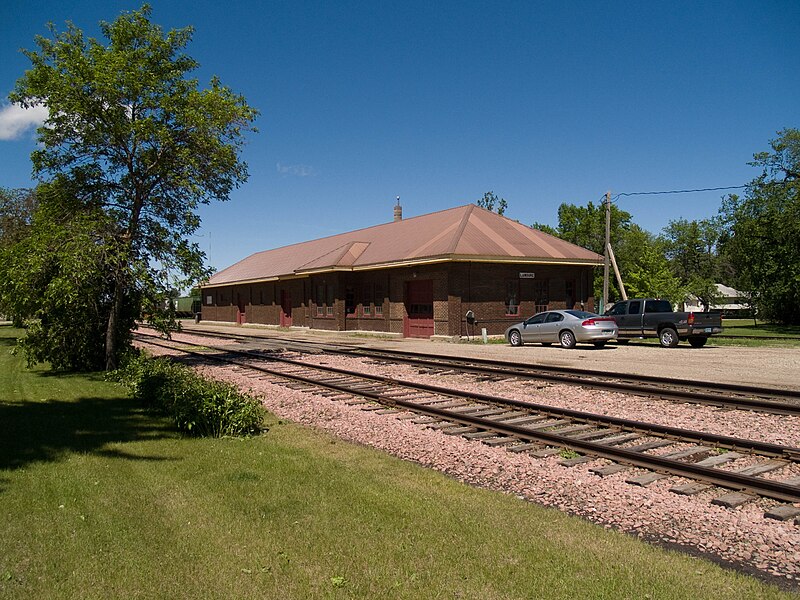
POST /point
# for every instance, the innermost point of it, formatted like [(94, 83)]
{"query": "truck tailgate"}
[(702, 320)]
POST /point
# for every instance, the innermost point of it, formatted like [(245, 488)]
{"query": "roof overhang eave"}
[(529, 260), (428, 260), (457, 258), (208, 285)]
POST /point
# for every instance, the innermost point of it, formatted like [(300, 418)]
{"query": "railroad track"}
[(544, 430), (732, 396), (720, 336)]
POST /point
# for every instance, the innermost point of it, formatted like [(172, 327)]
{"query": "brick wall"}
[(457, 288), (219, 313), (482, 288)]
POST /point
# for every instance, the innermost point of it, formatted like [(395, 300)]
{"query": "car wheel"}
[(515, 338), (567, 339), (599, 344), (668, 337), (697, 342)]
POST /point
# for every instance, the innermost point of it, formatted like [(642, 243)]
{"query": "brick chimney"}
[(398, 211)]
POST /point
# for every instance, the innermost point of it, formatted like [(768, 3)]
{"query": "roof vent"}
[(398, 211)]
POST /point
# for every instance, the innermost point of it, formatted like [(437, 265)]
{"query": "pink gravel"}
[(741, 536)]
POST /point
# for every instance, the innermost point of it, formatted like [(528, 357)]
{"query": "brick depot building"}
[(415, 277)]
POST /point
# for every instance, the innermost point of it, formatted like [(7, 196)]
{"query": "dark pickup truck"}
[(647, 317)]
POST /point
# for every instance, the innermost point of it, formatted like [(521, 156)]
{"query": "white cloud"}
[(297, 170), (15, 120)]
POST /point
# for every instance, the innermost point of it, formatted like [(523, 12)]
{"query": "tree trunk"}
[(112, 338), (112, 332)]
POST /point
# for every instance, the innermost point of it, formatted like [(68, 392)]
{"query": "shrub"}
[(199, 406)]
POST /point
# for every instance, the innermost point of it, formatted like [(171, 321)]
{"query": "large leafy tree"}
[(691, 247), (762, 241), (57, 277), (585, 226), (639, 254), (647, 271), (138, 145)]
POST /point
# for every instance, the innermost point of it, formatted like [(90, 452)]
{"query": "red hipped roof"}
[(464, 233)]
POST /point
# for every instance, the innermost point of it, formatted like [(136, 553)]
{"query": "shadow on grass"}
[(49, 429)]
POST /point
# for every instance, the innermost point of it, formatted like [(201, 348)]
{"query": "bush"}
[(199, 406)]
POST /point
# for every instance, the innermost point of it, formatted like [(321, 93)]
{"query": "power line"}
[(714, 189)]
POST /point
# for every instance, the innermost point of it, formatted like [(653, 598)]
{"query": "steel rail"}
[(722, 441), (513, 368), (597, 380), (727, 479), (637, 384), (720, 336)]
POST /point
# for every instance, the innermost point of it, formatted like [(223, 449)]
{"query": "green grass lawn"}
[(776, 336), (759, 328), (101, 500)]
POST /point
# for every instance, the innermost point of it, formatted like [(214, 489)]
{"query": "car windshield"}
[(581, 314)]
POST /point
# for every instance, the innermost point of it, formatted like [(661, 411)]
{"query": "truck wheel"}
[(567, 339), (514, 338), (697, 342), (668, 337)]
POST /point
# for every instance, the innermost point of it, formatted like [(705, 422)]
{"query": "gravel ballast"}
[(741, 537)]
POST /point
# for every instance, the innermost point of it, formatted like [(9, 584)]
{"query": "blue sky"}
[(439, 102)]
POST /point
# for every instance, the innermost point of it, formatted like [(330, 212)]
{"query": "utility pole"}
[(607, 245)]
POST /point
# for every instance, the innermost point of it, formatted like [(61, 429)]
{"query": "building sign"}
[(527, 275)]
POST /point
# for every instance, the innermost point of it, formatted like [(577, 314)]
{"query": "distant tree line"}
[(680, 262), (752, 244)]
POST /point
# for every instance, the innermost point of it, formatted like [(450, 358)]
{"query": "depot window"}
[(330, 297), (512, 298), (366, 300), (324, 297), (378, 299)]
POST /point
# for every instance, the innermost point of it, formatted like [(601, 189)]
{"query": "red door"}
[(418, 321), (286, 309)]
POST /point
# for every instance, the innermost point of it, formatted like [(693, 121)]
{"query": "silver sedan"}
[(565, 327)]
